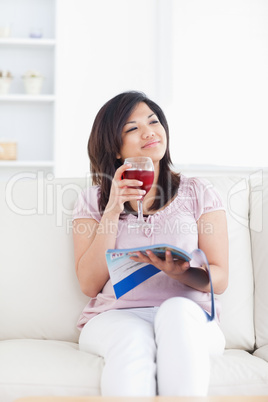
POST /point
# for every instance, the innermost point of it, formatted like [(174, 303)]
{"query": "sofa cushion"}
[(237, 372), (262, 352), (40, 367)]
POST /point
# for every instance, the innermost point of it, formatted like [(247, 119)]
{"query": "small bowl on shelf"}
[(36, 33)]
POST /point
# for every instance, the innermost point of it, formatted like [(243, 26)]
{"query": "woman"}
[(156, 338)]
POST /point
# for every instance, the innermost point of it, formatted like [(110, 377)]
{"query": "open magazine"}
[(126, 274)]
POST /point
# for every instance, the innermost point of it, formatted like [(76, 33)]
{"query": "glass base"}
[(140, 225)]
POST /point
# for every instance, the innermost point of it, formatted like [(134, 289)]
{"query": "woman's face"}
[(143, 135)]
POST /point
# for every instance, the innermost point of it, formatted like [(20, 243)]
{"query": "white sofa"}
[(40, 298)]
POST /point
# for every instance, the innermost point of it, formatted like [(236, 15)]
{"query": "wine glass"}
[(142, 168)]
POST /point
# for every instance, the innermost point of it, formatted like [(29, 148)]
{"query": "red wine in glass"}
[(142, 168), (146, 176)]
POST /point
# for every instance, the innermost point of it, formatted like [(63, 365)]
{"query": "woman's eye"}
[(154, 122), (131, 129)]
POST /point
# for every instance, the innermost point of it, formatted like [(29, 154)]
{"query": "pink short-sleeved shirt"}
[(176, 225)]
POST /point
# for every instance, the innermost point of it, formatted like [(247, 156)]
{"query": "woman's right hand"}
[(123, 190), (91, 243)]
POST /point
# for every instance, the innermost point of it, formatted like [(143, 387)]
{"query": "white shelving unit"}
[(27, 42), (27, 98), (28, 119), (15, 164)]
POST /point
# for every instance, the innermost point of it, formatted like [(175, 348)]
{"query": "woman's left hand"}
[(173, 268)]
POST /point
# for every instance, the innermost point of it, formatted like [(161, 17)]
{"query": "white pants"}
[(149, 351)]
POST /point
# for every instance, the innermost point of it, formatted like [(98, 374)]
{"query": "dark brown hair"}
[(105, 143)]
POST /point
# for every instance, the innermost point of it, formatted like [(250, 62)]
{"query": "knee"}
[(180, 309)]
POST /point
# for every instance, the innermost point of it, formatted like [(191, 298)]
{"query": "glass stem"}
[(140, 211)]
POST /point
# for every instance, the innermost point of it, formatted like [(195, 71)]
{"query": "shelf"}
[(18, 163), (32, 42), (27, 98)]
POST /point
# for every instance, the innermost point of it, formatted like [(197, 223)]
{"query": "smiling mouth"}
[(151, 144)]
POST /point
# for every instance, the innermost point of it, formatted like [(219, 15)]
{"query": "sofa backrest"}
[(39, 293)]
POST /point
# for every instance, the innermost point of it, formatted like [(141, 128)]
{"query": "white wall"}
[(220, 82), (104, 47), (204, 61)]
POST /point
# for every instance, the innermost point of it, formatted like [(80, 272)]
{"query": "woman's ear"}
[(118, 156)]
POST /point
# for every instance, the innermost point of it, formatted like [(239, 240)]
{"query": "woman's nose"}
[(147, 132)]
